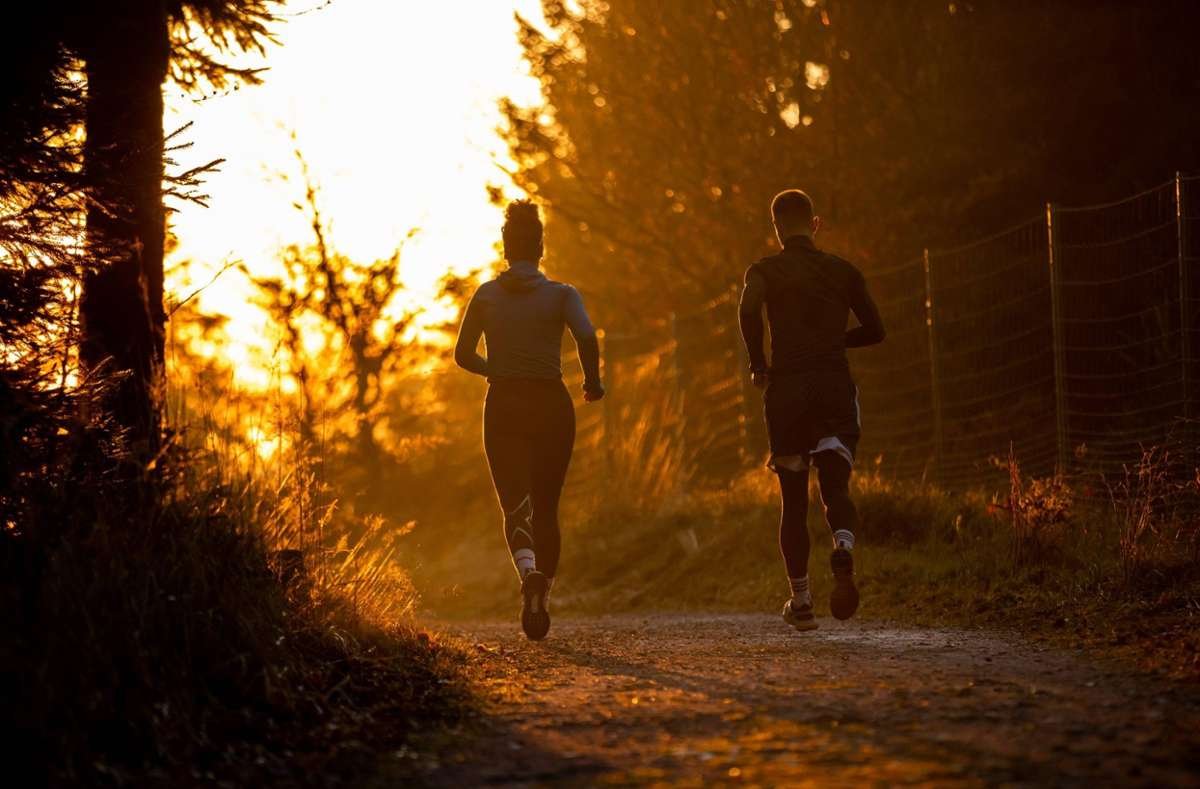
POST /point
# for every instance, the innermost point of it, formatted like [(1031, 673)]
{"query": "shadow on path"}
[(738, 698)]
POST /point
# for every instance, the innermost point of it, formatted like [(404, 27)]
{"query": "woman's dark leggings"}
[(528, 435), (833, 478)]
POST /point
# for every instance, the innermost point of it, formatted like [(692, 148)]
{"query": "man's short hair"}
[(522, 231), (792, 207)]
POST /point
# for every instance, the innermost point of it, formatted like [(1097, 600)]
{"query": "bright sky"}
[(394, 106)]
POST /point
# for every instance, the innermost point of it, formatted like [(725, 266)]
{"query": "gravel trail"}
[(741, 699)]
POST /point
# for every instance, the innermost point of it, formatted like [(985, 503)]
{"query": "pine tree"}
[(664, 129), (129, 50), (40, 201)]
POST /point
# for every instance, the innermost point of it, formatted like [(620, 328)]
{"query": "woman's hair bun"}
[(522, 211), (522, 231)]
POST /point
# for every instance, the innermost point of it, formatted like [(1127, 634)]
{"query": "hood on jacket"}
[(521, 277)]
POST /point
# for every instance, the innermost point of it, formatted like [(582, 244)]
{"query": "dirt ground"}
[(740, 699)]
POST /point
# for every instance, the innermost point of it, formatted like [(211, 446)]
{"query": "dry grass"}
[(174, 640), (1033, 555), (1157, 514), (1039, 509)]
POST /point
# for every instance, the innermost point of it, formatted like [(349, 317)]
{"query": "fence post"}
[(935, 370), (1185, 316), (1054, 257)]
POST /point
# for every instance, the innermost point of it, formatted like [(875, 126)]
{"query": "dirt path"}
[(704, 699)]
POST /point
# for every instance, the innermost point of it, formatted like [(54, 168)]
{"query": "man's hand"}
[(759, 379), (593, 393)]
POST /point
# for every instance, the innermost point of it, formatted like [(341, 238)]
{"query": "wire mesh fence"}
[(894, 384), (1122, 368), (991, 316), (1188, 203), (1070, 338)]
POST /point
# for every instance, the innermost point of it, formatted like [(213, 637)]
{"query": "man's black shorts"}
[(811, 412)]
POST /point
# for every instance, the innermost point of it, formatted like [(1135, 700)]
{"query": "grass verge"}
[(924, 556), (160, 645)]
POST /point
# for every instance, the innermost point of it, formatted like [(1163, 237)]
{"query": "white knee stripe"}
[(790, 462), (834, 444)]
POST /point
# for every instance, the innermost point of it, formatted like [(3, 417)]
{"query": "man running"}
[(528, 417), (810, 402)]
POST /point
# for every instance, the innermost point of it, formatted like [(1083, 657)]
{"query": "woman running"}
[(528, 417)]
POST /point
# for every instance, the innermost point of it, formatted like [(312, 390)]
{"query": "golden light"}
[(394, 107)]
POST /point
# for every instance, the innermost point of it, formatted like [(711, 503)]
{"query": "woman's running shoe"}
[(535, 619)]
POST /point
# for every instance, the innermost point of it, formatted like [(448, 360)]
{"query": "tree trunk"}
[(121, 309)]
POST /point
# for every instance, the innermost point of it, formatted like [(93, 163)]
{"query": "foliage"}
[(665, 129), (39, 153), (923, 555), (348, 337), (1157, 515), (1039, 509), (176, 651), (86, 138), (41, 195), (357, 429), (204, 33), (153, 635)]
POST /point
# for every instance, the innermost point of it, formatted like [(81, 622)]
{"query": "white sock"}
[(525, 561), (800, 593), (843, 538)]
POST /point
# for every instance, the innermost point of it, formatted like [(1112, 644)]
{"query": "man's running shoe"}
[(535, 619), (843, 601), (800, 618)]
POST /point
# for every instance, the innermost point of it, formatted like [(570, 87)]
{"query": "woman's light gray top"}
[(521, 314)]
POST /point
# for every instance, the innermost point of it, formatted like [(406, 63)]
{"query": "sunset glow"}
[(835, 363), (394, 108)]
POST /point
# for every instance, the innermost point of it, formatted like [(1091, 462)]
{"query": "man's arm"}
[(586, 344), (870, 329), (466, 354), (750, 318)]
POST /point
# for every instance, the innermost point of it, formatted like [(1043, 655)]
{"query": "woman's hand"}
[(593, 393)]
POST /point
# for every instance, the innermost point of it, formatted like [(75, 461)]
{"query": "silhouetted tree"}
[(129, 50), (40, 201), (665, 128), (346, 337)]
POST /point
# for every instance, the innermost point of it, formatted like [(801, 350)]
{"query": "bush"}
[(1157, 514), (157, 643)]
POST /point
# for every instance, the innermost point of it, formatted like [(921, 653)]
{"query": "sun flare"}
[(397, 127)]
